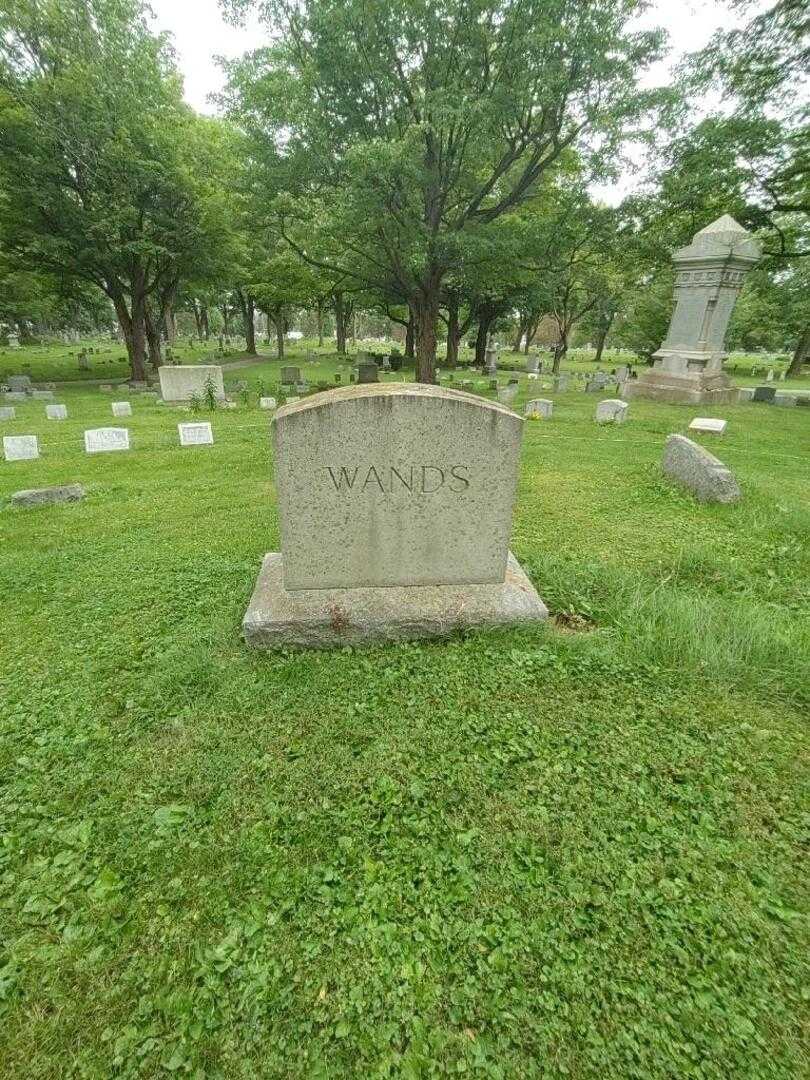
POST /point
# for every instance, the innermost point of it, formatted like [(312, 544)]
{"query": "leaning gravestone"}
[(196, 434), (20, 447), (56, 412), (396, 504), (7, 412), (181, 383), (100, 440), (702, 473), (121, 408)]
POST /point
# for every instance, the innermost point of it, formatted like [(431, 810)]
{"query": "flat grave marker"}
[(199, 434), (20, 447), (103, 440), (708, 424)]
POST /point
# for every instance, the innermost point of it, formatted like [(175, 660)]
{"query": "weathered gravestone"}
[(20, 447), (7, 412), (42, 395), (14, 341), (702, 473), (47, 496), (764, 394), (709, 425), (267, 403), (709, 275), (540, 407), (368, 373), (56, 412), (199, 434), (121, 408), (19, 384), (611, 411), (561, 384), (101, 440), (532, 365), (181, 383), (290, 376), (395, 503), (15, 395)]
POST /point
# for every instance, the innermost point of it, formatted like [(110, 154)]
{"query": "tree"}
[(405, 127)]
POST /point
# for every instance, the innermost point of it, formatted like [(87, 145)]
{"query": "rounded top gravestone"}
[(395, 485)]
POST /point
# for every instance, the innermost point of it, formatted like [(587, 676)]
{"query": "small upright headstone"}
[(267, 403), (709, 425), (20, 447), (769, 376), (19, 384), (14, 341), (540, 408), (7, 412), (611, 411), (101, 440), (782, 376), (561, 384), (491, 361), (121, 408), (368, 373), (84, 362), (42, 395), (56, 412), (196, 434), (15, 395), (290, 376), (532, 365)]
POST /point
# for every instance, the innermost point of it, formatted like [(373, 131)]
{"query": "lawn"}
[(570, 851)]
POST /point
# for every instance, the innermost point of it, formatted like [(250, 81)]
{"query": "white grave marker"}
[(99, 440), (7, 412), (705, 423), (20, 447), (56, 412), (196, 434), (267, 403), (121, 408)]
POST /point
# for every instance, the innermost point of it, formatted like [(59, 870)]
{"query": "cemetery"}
[(398, 682)]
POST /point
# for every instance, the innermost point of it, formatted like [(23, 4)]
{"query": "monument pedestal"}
[(327, 618), (686, 387)]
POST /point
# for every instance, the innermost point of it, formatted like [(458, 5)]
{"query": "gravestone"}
[(15, 395), (622, 371), (368, 373), (290, 376), (47, 496), (181, 383), (106, 388), (102, 440), (540, 407), (769, 376), (611, 411), (13, 341), (7, 412), (746, 393), (121, 408), (490, 361), (267, 403), (709, 425), (693, 467), (785, 400), (20, 447), (19, 384), (533, 376), (56, 412), (84, 362), (42, 395), (301, 387), (395, 360), (764, 394), (709, 275), (199, 434), (782, 376), (561, 383), (532, 365), (507, 394), (395, 503)]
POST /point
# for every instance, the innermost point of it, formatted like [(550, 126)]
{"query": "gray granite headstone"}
[(693, 467), (46, 496)]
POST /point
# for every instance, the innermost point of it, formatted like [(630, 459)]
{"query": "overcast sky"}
[(200, 33)]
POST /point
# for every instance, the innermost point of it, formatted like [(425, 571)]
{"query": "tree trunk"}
[(196, 309), (354, 328), (278, 322), (453, 332), (204, 321), (247, 307), (561, 349), (481, 337), (152, 329), (319, 315), (601, 339), (531, 334), (520, 333), (171, 325), (226, 320), (340, 324), (410, 337), (800, 356), (132, 327), (426, 311)]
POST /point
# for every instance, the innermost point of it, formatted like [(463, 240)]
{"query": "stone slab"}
[(182, 382), (121, 409), (43, 395), (540, 408), (611, 411), (267, 403), (708, 424), (47, 496), (693, 467), (330, 618), (56, 412), (20, 447), (7, 412), (199, 434), (102, 440), (15, 395)]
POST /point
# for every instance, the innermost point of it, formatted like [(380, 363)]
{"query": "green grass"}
[(546, 853)]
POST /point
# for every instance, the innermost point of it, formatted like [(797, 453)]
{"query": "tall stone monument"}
[(395, 502), (709, 275)]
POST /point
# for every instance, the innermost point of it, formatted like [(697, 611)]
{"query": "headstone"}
[(702, 473), (196, 434), (540, 408), (19, 384), (290, 376), (611, 411), (368, 373), (765, 394), (47, 496), (15, 395), (106, 388), (709, 275), (13, 341), (42, 395), (490, 361), (20, 447), (769, 376), (267, 403), (84, 362), (561, 383), (532, 365), (180, 382), (56, 412), (121, 408), (301, 387), (100, 440), (533, 375), (622, 372), (7, 412), (782, 376), (395, 502), (507, 394), (707, 424)]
